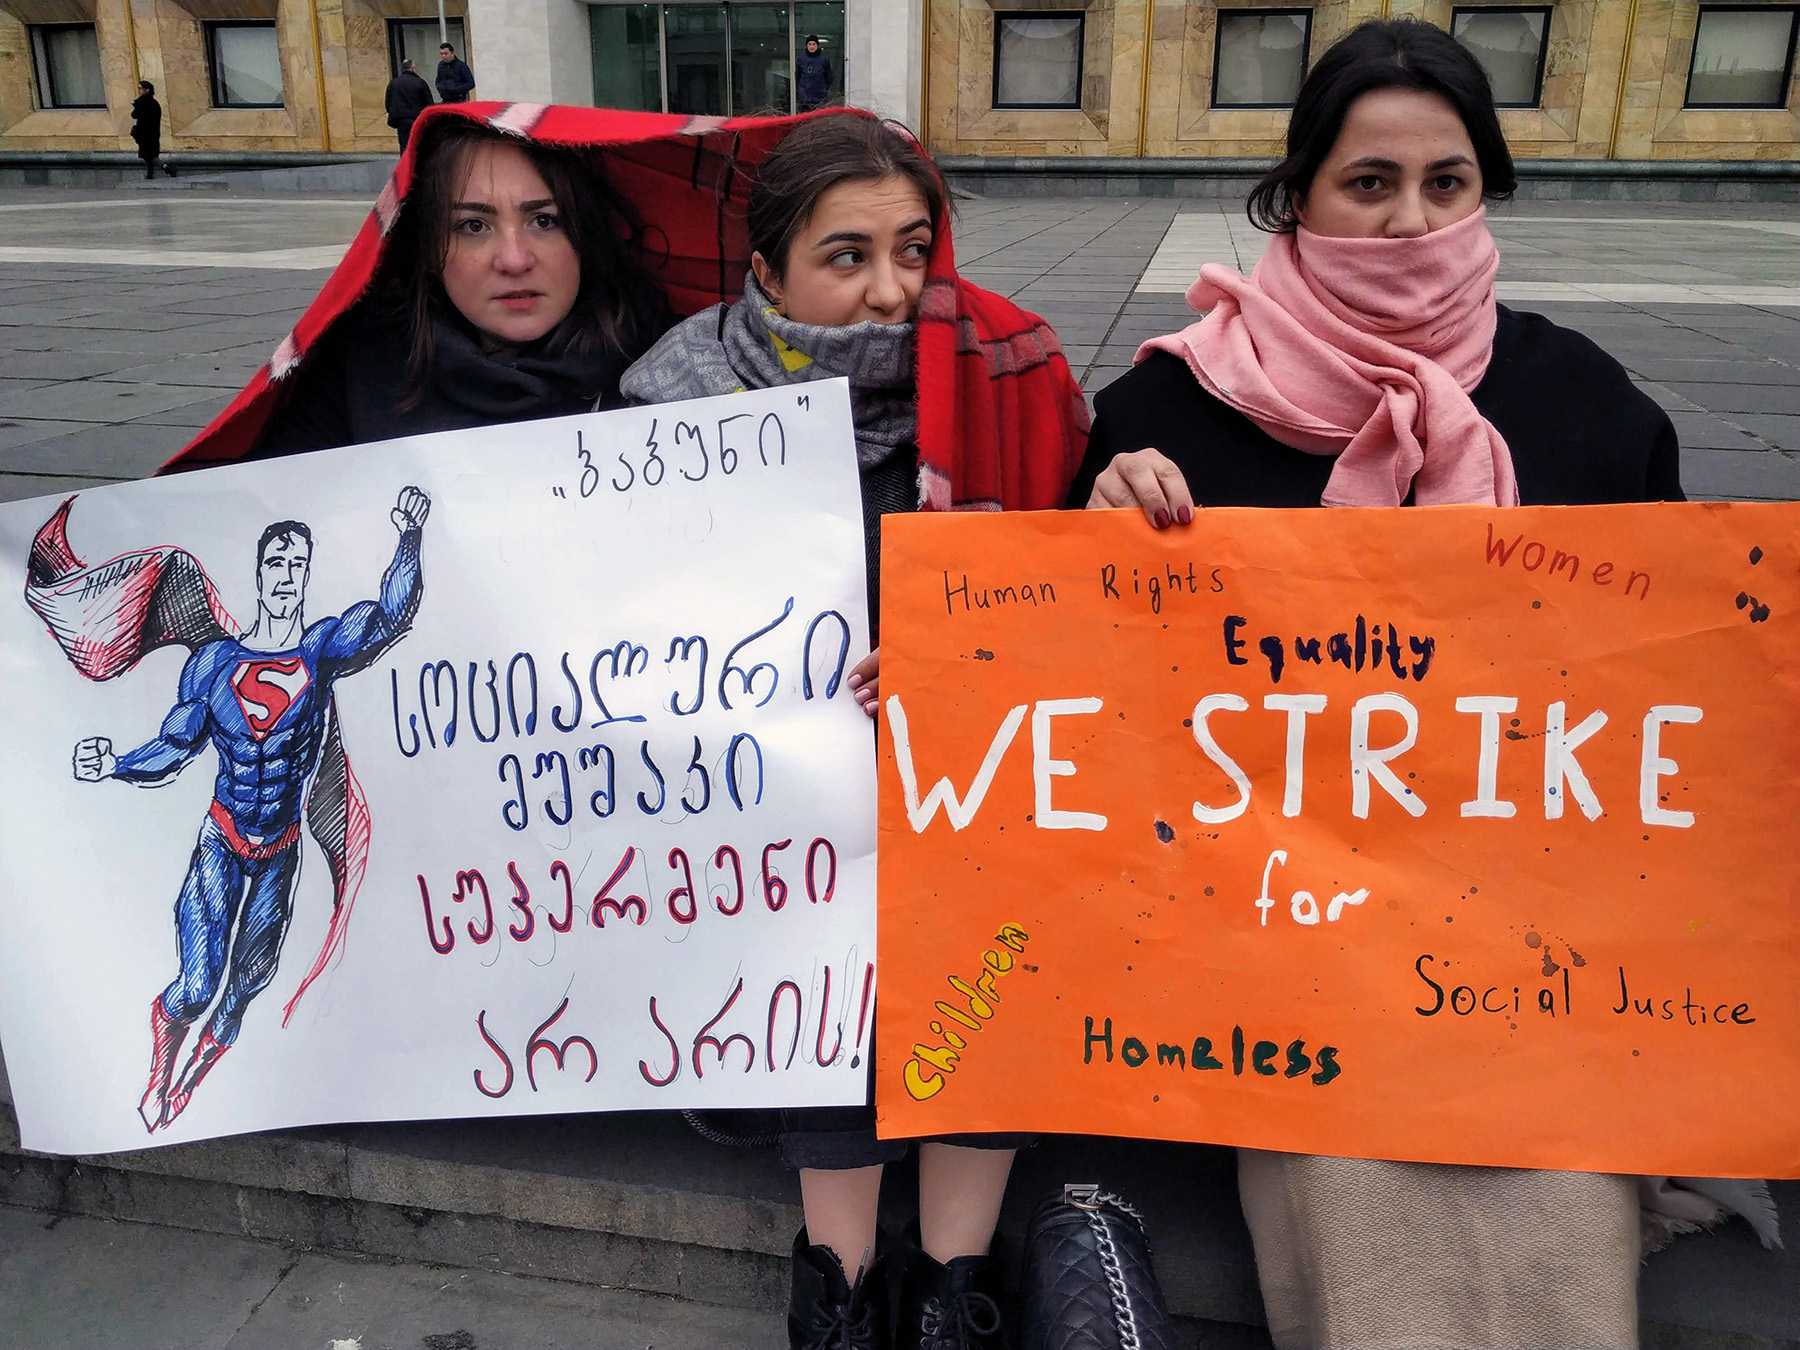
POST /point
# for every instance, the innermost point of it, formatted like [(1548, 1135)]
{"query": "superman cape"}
[(1001, 421), (109, 616)]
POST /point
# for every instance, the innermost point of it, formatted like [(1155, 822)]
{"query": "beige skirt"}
[(1361, 1255)]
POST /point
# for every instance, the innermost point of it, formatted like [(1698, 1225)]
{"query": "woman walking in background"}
[(146, 129)]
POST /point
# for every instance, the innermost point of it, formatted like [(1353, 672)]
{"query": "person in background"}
[(455, 81), (407, 96), (1365, 362), (812, 76), (852, 275), (146, 129)]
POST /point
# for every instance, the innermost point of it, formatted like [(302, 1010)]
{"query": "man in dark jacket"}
[(407, 96), (455, 81), (146, 128), (812, 76)]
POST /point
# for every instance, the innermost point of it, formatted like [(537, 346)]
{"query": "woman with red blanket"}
[(970, 407), (514, 291), (846, 220)]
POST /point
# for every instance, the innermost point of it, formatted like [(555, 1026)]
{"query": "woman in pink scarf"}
[(1366, 363)]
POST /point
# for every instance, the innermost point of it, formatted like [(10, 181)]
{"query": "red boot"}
[(166, 1036), (207, 1051)]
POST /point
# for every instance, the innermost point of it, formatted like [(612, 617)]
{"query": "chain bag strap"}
[(1089, 1281)]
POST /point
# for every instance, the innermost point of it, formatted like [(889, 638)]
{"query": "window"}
[(1260, 57), (418, 39), (1743, 57), (246, 64), (624, 42), (1510, 45), (1037, 60), (67, 61), (710, 58)]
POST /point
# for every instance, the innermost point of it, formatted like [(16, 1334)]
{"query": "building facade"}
[(231, 75), (1578, 79), (311, 75)]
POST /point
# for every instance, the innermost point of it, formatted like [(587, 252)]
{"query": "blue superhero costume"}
[(266, 715)]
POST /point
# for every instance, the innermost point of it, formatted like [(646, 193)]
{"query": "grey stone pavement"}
[(98, 1284), (127, 320)]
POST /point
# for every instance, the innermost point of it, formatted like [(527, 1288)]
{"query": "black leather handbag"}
[(1089, 1284)]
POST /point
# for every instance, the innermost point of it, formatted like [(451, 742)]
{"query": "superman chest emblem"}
[(266, 689)]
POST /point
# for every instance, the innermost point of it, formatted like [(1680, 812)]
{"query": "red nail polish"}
[(1162, 519), (1187, 515)]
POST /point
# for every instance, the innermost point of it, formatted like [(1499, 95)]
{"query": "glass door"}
[(417, 40), (625, 43), (762, 68), (694, 38)]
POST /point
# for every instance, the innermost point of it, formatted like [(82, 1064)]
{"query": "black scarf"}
[(467, 386)]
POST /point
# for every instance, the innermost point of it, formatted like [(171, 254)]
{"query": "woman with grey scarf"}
[(842, 220)]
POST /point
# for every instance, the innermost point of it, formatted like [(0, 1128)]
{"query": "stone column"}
[(530, 51), (881, 42)]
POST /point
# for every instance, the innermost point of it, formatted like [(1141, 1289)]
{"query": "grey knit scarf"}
[(748, 345)]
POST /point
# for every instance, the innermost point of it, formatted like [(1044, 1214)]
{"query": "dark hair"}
[(280, 529), (619, 307), (1381, 54), (812, 37), (815, 157), (146, 85), (446, 47)]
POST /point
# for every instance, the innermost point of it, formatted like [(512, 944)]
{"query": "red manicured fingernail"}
[(1162, 519), (1185, 515)]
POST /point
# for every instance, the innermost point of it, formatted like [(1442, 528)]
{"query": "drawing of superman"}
[(262, 700)]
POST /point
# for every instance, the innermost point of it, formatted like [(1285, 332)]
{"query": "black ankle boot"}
[(826, 1313), (950, 1307)]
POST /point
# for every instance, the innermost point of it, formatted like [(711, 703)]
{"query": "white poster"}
[(495, 772)]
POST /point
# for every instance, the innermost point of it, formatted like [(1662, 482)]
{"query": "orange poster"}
[(1458, 835)]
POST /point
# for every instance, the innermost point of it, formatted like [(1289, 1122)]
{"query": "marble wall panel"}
[(962, 118), (1656, 125), (26, 126)]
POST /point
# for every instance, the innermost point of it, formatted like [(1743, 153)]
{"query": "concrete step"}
[(639, 1202), (182, 182), (98, 1284)]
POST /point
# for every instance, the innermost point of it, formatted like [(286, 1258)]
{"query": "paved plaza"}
[(128, 318)]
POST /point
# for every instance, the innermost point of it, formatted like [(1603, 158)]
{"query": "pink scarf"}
[(1365, 349)]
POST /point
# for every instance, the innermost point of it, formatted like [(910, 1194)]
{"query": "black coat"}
[(1580, 432), (455, 81), (407, 96), (812, 78), (146, 126)]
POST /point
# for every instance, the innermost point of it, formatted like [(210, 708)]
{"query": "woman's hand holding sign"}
[(1146, 479), (864, 683)]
